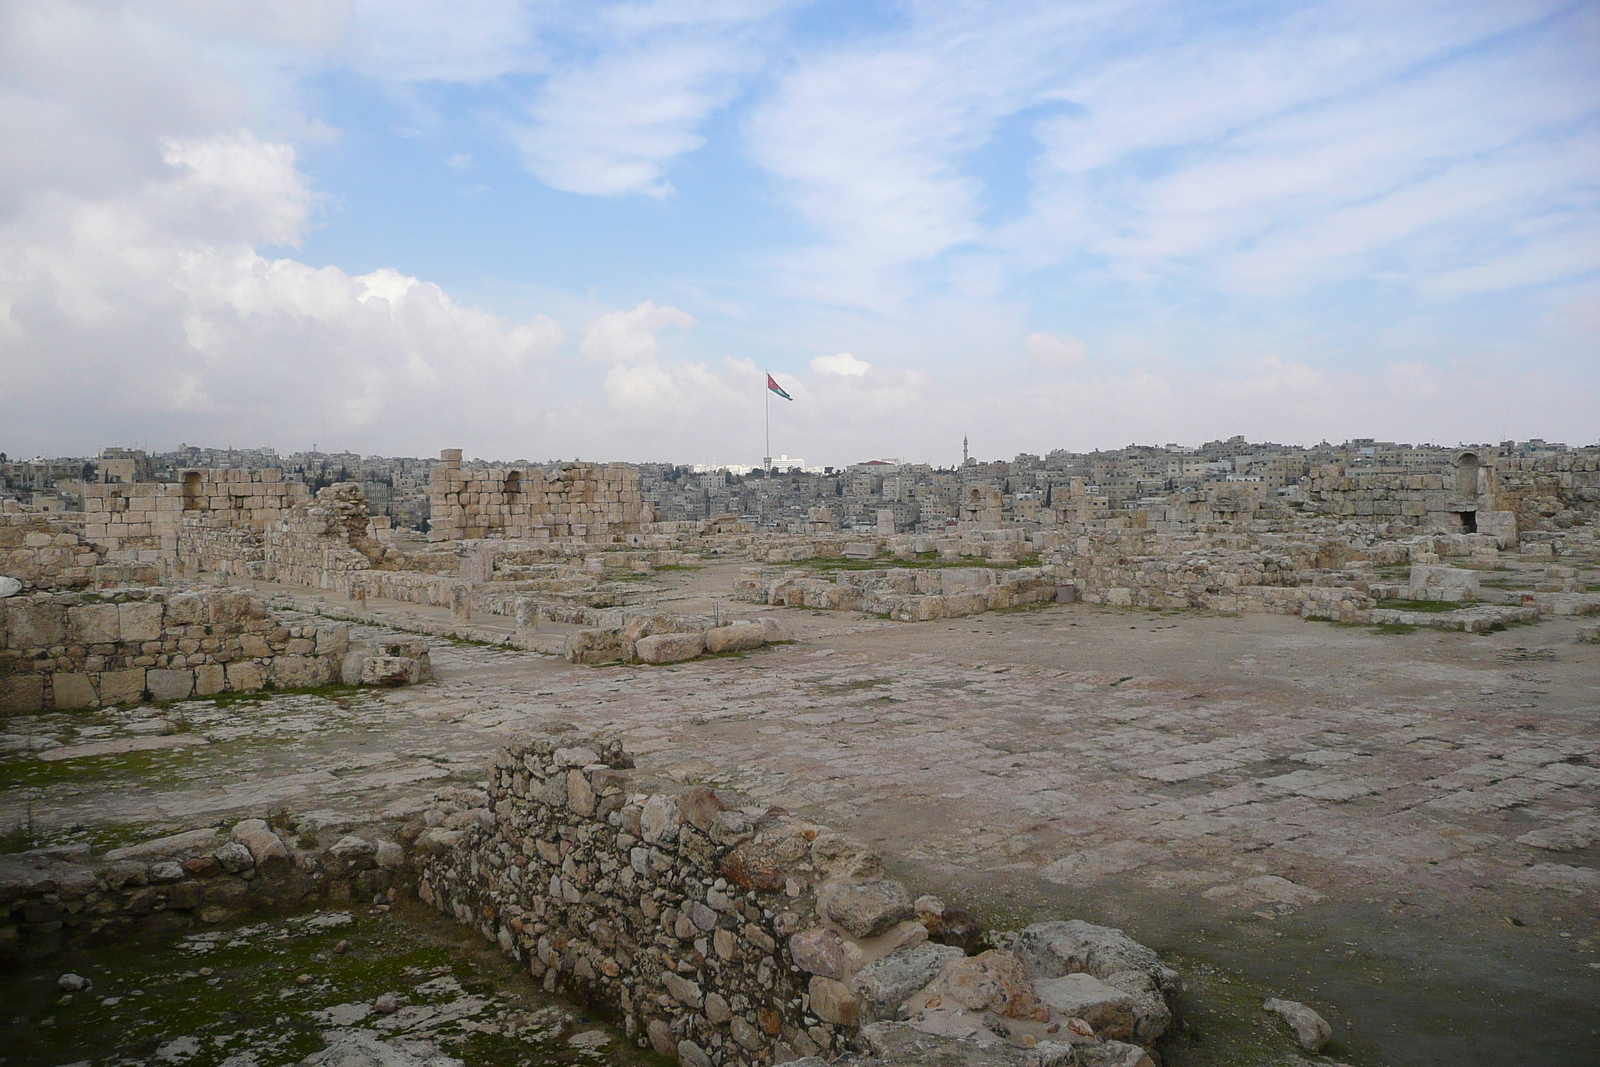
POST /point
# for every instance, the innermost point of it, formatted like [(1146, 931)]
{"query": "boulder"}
[(1311, 1031), (884, 984), (868, 909), (995, 981), (9, 587), (388, 671), (1109, 1010), (820, 951), (1055, 949), (660, 649), (735, 638), (832, 1001), (266, 848)]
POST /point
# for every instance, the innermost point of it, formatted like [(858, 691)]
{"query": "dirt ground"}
[(1398, 829)]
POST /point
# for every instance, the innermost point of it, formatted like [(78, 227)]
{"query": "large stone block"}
[(122, 687), (169, 684), (300, 672), (669, 648), (94, 624), (245, 676), (31, 625), (140, 621), (735, 638), (73, 691), (22, 692), (210, 678)]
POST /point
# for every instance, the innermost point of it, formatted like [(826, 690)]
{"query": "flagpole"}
[(767, 459)]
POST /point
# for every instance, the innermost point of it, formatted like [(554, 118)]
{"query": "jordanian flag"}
[(776, 388)]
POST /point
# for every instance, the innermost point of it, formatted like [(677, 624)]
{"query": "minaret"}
[(964, 458)]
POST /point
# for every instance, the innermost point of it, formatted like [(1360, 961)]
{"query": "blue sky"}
[(557, 229)]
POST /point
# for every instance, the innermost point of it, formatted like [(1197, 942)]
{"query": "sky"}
[(588, 230)]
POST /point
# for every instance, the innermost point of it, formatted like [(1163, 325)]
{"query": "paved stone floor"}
[(1400, 828)]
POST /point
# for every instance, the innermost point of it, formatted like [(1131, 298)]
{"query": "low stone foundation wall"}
[(55, 897), (80, 650), (906, 594), (733, 936)]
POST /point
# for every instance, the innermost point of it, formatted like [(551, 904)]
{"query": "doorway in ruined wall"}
[(191, 491), (1469, 521)]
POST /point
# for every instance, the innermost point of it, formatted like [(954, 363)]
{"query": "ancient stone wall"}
[(581, 501), (906, 594), (734, 936), (49, 552), (1550, 492), (75, 650), (144, 520)]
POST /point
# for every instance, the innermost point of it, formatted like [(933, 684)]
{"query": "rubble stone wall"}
[(730, 936), (582, 501), (75, 650)]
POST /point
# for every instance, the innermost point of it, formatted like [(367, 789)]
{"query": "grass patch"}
[(1422, 605)]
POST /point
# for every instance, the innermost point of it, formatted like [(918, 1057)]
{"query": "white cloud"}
[(629, 337), (1055, 353), (844, 365), (153, 309)]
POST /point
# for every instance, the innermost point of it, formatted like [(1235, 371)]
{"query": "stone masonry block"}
[(122, 687), (73, 691), (169, 684)]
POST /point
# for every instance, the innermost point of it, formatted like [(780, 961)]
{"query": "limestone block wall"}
[(46, 552), (144, 520), (1551, 492), (906, 594), (74, 650), (582, 501)]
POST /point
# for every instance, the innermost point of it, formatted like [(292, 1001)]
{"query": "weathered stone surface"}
[(176, 846), (717, 1010), (1082, 996), (884, 984), (819, 951), (386, 671), (266, 847), (699, 807), (692, 1055), (9, 587), (738, 637), (73, 691), (995, 980), (669, 648), (833, 1002), (363, 1048), (167, 685), (658, 823), (869, 909), (234, 858), (1311, 1030), (1055, 949), (681, 988), (580, 795)]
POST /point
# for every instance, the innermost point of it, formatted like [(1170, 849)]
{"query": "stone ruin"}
[(717, 932), (732, 935), (552, 552)]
